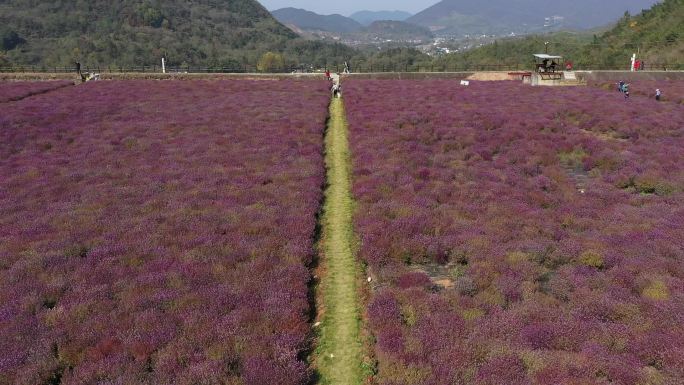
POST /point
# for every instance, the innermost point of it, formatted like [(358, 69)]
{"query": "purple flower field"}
[(10, 91), (555, 217), (159, 232), (673, 90)]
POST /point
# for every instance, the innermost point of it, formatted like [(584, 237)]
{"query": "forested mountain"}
[(368, 17), (134, 32), (657, 34), (462, 17), (308, 21)]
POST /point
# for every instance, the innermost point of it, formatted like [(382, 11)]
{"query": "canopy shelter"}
[(547, 63), (546, 66)]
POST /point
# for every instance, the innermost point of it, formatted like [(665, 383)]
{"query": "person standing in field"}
[(625, 90), (621, 86), (658, 94)]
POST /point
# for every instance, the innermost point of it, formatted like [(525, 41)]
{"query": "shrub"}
[(657, 290), (591, 259)]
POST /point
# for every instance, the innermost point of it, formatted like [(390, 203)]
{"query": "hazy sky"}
[(347, 7)]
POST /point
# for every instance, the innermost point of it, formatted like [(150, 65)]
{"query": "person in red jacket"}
[(327, 74)]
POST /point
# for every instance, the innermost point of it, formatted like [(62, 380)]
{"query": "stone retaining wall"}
[(582, 76), (629, 76)]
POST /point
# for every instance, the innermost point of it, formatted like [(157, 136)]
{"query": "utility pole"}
[(546, 47)]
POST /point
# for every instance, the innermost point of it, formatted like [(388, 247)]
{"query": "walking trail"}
[(338, 355)]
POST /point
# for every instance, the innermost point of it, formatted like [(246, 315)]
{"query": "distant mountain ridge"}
[(314, 26), (396, 31), (461, 17), (308, 21), (368, 17), (657, 32)]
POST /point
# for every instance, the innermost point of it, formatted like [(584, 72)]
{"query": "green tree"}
[(151, 16), (271, 62), (10, 40)]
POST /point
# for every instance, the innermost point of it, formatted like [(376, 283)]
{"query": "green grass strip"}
[(338, 354)]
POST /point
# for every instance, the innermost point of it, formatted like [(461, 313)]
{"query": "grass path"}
[(338, 354)]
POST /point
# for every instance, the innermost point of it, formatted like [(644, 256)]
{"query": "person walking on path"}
[(621, 86), (327, 75), (337, 90), (658, 94)]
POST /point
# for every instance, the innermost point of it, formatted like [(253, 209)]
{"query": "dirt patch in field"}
[(491, 76), (605, 136), (441, 276)]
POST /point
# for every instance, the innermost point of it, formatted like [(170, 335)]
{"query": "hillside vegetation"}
[(128, 32), (655, 34), (518, 51)]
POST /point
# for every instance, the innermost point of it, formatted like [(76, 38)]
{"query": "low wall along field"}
[(159, 232), (519, 235)]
